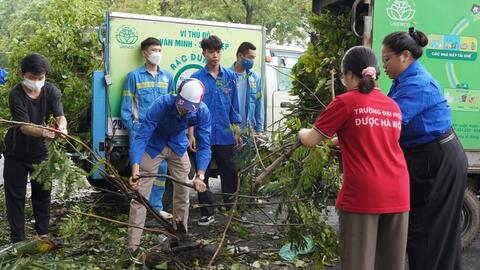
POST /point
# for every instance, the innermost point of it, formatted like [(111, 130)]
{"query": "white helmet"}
[(190, 94)]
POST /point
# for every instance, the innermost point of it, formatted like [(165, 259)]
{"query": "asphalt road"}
[(470, 255)]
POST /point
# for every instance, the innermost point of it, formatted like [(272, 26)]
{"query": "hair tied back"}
[(370, 72)]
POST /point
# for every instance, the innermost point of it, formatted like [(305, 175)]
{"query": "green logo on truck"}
[(401, 10), (126, 35)]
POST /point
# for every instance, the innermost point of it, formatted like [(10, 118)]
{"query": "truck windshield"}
[(284, 69)]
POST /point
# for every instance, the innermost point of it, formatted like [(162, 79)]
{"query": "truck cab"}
[(279, 63)]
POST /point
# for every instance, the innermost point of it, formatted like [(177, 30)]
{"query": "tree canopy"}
[(65, 32)]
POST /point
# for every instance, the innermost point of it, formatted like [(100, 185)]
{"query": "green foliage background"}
[(65, 32), (314, 67)]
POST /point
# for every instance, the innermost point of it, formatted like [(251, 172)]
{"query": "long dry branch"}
[(277, 163), (117, 222)]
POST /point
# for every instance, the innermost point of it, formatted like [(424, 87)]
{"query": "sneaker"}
[(165, 215), (205, 221), (128, 257), (130, 253)]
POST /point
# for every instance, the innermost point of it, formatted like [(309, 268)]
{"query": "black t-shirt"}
[(37, 111)]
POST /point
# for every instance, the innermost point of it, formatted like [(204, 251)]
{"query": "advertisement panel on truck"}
[(453, 30), (181, 52), (451, 56)]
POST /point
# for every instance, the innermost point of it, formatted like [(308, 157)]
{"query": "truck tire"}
[(469, 218)]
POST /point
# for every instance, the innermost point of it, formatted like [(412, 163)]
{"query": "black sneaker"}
[(128, 257), (130, 253), (205, 221)]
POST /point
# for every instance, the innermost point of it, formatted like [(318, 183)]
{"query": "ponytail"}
[(367, 82), (361, 61)]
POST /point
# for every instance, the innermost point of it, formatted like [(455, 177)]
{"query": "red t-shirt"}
[(375, 175)]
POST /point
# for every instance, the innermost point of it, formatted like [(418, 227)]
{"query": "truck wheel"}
[(469, 218)]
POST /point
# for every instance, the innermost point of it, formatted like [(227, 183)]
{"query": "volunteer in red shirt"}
[(374, 198)]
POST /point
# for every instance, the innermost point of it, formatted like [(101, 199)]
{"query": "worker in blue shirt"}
[(222, 100), (142, 87), (436, 161), (3, 76), (249, 88), (162, 136)]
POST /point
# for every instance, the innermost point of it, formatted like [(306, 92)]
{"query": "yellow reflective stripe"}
[(142, 85), (159, 183), (127, 93), (162, 84)]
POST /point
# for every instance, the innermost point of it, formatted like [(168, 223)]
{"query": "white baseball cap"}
[(190, 94)]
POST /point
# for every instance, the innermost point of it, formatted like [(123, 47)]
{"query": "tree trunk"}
[(249, 11)]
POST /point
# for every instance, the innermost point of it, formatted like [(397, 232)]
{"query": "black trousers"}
[(15, 175), (438, 174), (224, 158)]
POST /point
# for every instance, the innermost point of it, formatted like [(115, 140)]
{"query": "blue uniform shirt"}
[(140, 91), (250, 100), (163, 126), (425, 112), (222, 100)]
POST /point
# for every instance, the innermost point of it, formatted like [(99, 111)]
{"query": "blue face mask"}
[(247, 63)]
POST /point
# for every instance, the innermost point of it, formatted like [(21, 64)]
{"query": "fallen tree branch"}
[(116, 222), (253, 164), (277, 163), (250, 251), (257, 152), (227, 226), (268, 224), (198, 205)]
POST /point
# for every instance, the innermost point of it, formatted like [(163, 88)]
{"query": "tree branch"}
[(277, 163), (116, 222)]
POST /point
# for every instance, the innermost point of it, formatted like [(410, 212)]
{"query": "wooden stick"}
[(268, 224), (251, 251), (277, 163), (118, 222)]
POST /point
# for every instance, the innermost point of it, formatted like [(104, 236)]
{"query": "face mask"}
[(247, 63), (33, 85), (155, 58)]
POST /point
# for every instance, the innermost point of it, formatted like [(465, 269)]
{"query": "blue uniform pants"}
[(158, 187)]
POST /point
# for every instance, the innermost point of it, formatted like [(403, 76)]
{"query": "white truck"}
[(279, 63)]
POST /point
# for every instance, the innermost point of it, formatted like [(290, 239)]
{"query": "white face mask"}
[(33, 85), (155, 58)]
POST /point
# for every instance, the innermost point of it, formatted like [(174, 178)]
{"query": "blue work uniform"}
[(221, 99), (438, 170), (252, 108), (425, 112), (163, 126), (141, 90)]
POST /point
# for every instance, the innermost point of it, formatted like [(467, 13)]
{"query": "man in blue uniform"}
[(249, 86), (162, 136), (142, 87), (222, 101)]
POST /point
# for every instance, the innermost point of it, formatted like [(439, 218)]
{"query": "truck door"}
[(278, 84)]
